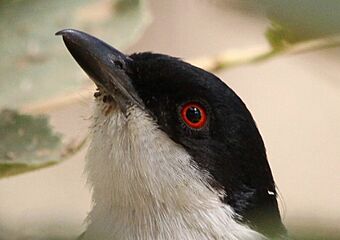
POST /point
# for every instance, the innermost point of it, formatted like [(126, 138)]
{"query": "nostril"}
[(118, 64)]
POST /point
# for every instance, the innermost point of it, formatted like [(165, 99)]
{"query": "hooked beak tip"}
[(65, 32), (105, 65)]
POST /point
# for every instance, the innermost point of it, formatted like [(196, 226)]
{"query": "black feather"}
[(229, 147)]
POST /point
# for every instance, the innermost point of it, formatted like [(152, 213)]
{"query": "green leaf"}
[(298, 21), (28, 143), (35, 65), (304, 19), (277, 36)]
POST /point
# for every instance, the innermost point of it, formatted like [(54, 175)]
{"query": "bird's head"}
[(194, 110)]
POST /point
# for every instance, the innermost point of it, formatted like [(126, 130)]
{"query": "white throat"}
[(146, 187)]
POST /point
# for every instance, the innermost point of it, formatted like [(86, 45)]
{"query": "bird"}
[(174, 152)]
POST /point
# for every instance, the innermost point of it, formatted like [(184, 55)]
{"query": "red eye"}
[(194, 115)]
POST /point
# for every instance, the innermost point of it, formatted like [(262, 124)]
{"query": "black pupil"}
[(193, 114)]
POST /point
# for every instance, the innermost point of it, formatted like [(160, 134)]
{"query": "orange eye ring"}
[(194, 115)]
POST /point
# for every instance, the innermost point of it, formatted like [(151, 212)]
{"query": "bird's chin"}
[(106, 101), (113, 99)]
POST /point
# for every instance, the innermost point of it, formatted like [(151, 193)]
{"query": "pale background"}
[(294, 99)]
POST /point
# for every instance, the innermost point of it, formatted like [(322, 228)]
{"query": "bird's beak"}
[(105, 65)]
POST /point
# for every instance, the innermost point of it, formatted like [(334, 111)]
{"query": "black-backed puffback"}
[(174, 154)]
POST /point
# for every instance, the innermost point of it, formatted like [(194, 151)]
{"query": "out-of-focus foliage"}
[(294, 27), (34, 64), (277, 36), (303, 19), (296, 21), (28, 143)]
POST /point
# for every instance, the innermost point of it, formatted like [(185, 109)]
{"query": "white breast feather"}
[(145, 186)]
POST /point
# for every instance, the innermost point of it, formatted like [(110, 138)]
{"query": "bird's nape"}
[(181, 154)]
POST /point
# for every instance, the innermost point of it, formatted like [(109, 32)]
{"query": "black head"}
[(198, 111)]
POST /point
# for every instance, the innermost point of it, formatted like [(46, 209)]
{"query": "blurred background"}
[(288, 76)]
